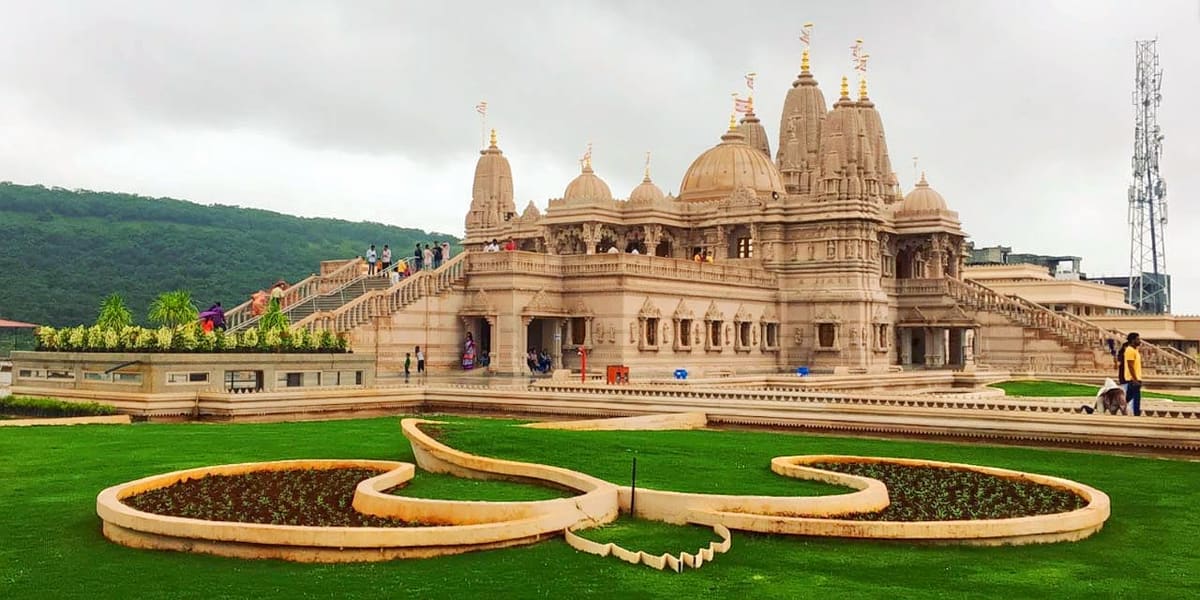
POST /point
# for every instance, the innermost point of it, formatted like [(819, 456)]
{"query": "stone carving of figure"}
[(853, 336), (831, 249), (597, 332), (633, 332), (812, 252), (666, 331), (696, 334), (798, 336), (612, 333), (754, 336), (728, 333)]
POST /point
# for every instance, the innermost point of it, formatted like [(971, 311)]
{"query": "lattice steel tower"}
[(1149, 284)]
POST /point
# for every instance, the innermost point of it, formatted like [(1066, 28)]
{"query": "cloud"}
[(1019, 112)]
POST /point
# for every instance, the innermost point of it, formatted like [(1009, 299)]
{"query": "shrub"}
[(172, 309), (25, 406), (114, 315), (186, 338)]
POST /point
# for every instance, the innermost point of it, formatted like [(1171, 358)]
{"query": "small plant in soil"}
[(312, 497), (948, 494)]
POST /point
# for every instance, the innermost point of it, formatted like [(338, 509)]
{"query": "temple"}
[(813, 258)]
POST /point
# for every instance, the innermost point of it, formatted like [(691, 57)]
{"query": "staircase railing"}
[(1068, 328), (380, 303), (305, 290)]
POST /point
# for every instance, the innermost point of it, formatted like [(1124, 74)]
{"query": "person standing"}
[(407, 365), (417, 255), (427, 257), (1129, 371), (371, 258), (386, 257), (437, 255), (420, 361), (445, 251)]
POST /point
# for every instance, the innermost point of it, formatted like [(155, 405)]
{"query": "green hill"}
[(63, 251)]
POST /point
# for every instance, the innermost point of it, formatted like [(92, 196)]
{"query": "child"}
[(407, 365), (420, 361)]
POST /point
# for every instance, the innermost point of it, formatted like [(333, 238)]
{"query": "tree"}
[(114, 314), (172, 309)]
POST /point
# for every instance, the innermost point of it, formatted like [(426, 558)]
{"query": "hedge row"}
[(24, 406)]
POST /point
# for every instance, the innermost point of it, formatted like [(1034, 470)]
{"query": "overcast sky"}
[(1019, 111)]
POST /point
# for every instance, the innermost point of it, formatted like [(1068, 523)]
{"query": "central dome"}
[(728, 166)]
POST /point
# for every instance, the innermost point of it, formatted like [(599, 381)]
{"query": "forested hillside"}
[(63, 251)]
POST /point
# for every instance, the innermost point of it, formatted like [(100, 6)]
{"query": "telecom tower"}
[(1149, 284)]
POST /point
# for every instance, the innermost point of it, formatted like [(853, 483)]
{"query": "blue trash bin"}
[(680, 373), (802, 371)]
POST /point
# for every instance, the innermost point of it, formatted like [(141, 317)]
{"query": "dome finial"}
[(804, 61), (646, 176), (862, 89), (845, 88), (493, 138)]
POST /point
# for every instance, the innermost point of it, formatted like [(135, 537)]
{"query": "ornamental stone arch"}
[(649, 318), (714, 323), (685, 324)]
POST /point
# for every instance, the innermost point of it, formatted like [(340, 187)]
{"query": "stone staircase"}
[(1067, 329), (310, 300), (241, 317), (385, 300)]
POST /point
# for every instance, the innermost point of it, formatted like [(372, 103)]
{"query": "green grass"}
[(439, 486), (1051, 389), (51, 545), (653, 537)]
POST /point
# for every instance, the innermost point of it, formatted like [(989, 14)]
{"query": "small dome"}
[(646, 193), (587, 187), (923, 198), (728, 166)]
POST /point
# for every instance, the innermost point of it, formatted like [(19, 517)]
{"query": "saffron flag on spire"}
[(861, 67), (806, 34), (741, 105), (481, 108), (750, 80)]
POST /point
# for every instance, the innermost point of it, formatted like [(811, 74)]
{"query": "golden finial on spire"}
[(804, 61), (862, 88), (493, 138), (647, 173), (587, 157), (845, 87), (733, 121)]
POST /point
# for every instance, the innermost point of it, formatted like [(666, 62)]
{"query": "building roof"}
[(6, 324)]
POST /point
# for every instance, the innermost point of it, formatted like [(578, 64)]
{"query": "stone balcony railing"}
[(598, 265)]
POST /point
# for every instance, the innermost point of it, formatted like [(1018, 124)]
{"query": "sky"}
[(1018, 111)]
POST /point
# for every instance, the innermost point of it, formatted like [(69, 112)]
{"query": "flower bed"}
[(921, 493), (23, 406), (187, 338), (308, 497)]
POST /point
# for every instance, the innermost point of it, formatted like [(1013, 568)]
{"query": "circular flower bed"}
[(311, 497), (919, 493)]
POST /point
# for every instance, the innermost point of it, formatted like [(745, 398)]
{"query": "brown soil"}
[(947, 494), (313, 497)]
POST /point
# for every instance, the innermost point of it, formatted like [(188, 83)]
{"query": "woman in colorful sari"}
[(468, 358)]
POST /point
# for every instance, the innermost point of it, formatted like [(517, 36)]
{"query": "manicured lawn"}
[(439, 486), (1050, 389), (51, 545)]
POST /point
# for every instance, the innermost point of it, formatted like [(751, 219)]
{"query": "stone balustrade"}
[(593, 265)]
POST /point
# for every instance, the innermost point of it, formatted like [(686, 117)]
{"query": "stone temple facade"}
[(818, 260), (808, 249)]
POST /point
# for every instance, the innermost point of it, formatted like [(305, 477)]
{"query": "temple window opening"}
[(745, 247), (826, 335), (684, 327)]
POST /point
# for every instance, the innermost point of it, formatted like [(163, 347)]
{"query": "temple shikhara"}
[(810, 255)]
